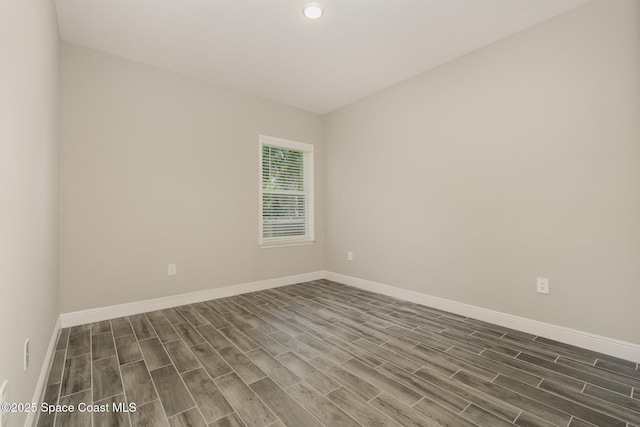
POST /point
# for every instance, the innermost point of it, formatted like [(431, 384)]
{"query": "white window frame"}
[(307, 150)]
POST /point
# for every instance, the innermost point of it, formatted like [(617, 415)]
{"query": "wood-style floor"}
[(326, 354)]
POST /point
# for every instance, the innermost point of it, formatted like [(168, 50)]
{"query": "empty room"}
[(320, 213)]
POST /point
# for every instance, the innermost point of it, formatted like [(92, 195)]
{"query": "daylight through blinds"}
[(284, 194)]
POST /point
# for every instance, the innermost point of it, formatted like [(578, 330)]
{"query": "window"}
[(286, 192)]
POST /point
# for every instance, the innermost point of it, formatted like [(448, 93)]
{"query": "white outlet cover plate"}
[(26, 355), (4, 398), (542, 285)]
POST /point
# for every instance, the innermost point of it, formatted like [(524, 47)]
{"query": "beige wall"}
[(158, 168), (517, 161), (28, 190)]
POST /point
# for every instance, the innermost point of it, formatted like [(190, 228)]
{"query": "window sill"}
[(284, 244)]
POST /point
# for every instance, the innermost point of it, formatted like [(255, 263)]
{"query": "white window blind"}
[(286, 192)]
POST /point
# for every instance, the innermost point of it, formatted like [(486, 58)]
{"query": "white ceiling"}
[(268, 48)]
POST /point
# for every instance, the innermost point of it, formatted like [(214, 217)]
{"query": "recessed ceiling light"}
[(313, 10)]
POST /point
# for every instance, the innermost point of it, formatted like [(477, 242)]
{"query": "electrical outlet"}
[(4, 398), (350, 255), (26, 355), (542, 285), (172, 270)]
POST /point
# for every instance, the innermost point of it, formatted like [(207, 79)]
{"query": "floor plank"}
[(244, 400), (107, 381), (245, 368), (318, 405), (183, 359), (150, 414), (74, 418), (287, 409), (77, 375), (210, 360), (154, 353), (208, 397), (137, 383), (172, 392), (141, 327), (127, 349), (190, 418), (111, 417)]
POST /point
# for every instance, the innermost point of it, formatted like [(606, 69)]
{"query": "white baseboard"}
[(622, 349), (602, 344), (44, 372), (104, 313)]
